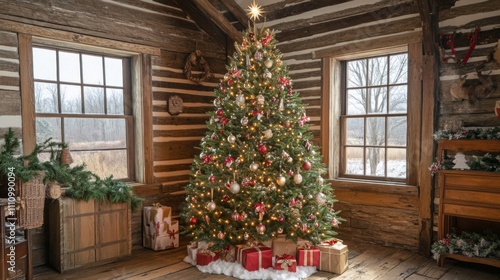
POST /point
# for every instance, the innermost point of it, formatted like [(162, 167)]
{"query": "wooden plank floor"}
[(366, 261)]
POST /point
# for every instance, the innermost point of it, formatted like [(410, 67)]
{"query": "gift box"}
[(333, 257), (204, 257), (164, 241), (255, 257), (228, 253), (282, 246), (286, 262), (194, 247), (308, 256), (156, 216)]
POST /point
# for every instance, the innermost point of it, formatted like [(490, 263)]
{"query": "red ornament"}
[(260, 208), (266, 39), (290, 173), (268, 163), (219, 112), (243, 216), (281, 219), (192, 220), (235, 216), (225, 198), (306, 165), (224, 120), (230, 82), (211, 178), (228, 161), (251, 35), (207, 159), (262, 149)]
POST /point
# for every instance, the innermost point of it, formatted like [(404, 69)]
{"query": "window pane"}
[(94, 100), (398, 99), (398, 73), (48, 128), (71, 99), (377, 71), (93, 134), (114, 72), (396, 131), (103, 163), (355, 131), (69, 67), (114, 102), (356, 102), (375, 131), (378, 100), (396, 163), (354, 161), (92, 70), (45, 98), (44, 64), (356, 73), (375, 161)]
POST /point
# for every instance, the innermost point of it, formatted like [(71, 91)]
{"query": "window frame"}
[(344, 117), (331, 111)]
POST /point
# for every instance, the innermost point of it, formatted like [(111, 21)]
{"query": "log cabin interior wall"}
[(309, 33), (163, 36)]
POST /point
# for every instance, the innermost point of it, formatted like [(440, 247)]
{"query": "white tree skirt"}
[(235, 269)]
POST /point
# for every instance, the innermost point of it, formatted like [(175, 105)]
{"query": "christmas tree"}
[(258, 174)]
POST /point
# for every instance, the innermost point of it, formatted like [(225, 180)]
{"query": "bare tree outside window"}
[(80, 99), (375, 117)]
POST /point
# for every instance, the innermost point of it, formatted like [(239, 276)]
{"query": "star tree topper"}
[(254, 11)]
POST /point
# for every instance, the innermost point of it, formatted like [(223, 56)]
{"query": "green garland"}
[(469, 244), (492, 133), (80, 183)]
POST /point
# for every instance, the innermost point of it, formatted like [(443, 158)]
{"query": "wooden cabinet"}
[(87, 232), (466, 194)]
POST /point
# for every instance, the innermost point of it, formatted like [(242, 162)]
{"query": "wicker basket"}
[(31, 202)]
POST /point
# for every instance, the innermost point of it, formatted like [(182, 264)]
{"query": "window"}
[(84, 99), (374, 118)]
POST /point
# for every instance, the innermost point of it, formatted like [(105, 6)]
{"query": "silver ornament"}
[(320, 198), (234, 188), (268, 63), (320, 180), (211, 206), (231, 139), (297, 178), (254, 166), (244, 121)]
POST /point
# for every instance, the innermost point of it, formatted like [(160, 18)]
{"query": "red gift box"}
[(287, 263), (204, 257), (254, 258), (308, 256)]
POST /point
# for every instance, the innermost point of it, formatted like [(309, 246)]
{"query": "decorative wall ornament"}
[(174, 105), (195, 59), (482, 89)]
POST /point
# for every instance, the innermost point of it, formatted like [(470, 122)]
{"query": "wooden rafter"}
[(237, 11), (214, 14), (201, 20)]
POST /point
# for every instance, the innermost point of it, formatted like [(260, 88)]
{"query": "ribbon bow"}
[(207, 252), (286, 261), (157, 205)]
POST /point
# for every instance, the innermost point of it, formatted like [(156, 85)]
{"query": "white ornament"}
[(268, 63), (254, 166), (240, 100), (281, 180), (268, 134), (260, 99), (267, 74), (231, 139), (297, 178), (320, 180), (234, 188), (211, 206), (320, 198), (258, 45), (460, 162)]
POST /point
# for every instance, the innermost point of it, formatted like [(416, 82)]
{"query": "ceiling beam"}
[(207, 8), (237, 12), (203, 22)]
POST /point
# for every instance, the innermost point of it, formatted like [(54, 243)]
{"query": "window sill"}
[(374, 186)]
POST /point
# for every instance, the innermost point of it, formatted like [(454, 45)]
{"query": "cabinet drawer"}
[(475, 212), (467, 197)]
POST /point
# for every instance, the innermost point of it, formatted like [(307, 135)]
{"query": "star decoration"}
[(255, 11)]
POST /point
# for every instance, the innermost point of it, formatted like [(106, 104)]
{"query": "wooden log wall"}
[(144, 25), (463, 19)]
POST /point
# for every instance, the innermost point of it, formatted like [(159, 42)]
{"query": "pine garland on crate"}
[(469, 244)]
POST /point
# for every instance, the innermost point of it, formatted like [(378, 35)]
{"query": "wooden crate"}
[(87, 232)]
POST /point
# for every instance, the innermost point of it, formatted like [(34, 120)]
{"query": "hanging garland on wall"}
[(195, 59)]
